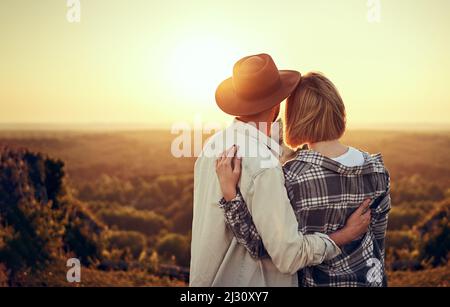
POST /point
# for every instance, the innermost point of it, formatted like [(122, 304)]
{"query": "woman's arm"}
[(239, 220), (237, 215)]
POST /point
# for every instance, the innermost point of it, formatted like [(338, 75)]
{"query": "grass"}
[(55, 276), (437, 277)]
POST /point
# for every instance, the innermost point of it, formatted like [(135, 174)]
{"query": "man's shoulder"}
[(248, 148), (256, 157)]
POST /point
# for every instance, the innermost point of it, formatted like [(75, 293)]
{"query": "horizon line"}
[(123, 126)]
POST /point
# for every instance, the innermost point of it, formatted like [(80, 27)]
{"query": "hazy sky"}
[(157, 62)]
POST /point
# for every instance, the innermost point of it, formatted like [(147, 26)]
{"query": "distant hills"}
[(148, 126)]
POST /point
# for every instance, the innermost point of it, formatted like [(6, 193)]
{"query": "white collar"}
[(255, 133)]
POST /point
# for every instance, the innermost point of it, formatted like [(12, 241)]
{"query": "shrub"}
[(174, 245), (435, 235), (401, 218), (134, 241), (401, 239), (128, 218), (38, 220)]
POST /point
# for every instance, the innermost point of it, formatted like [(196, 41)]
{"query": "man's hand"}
[(356, 225), (228, 169)]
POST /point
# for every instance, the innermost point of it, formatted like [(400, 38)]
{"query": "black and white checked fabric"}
[(239, 219), (323, 194)]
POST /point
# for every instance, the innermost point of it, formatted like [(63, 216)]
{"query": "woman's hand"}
[(228, 169), (356, 225)]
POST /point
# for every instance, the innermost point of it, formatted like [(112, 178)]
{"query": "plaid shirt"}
[(323, 194)]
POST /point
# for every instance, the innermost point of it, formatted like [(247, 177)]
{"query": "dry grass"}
[(438, 277), (55, 276)]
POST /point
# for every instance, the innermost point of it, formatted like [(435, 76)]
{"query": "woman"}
[(325, 185)]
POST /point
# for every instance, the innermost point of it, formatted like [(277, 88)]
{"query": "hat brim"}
[(230, 103)]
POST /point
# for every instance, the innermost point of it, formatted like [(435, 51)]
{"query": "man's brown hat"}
[(256, 85)]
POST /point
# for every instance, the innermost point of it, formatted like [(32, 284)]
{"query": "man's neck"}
[(262, 125)]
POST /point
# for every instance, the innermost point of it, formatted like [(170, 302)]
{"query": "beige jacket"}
[(217, 259)]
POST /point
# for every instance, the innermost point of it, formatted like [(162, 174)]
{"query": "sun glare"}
[(198, 64)]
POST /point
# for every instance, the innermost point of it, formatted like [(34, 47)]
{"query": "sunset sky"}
[(159, 62)]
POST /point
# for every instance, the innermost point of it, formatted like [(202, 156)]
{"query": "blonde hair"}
[(315, 112)]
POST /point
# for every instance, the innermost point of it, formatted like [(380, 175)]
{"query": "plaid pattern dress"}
[(323, 194)]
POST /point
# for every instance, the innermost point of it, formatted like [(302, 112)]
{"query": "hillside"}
[(42, 225)]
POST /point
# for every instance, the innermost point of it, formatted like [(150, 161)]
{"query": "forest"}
[(122, 204)]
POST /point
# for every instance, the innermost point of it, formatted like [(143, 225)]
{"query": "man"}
[(253, 94)]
